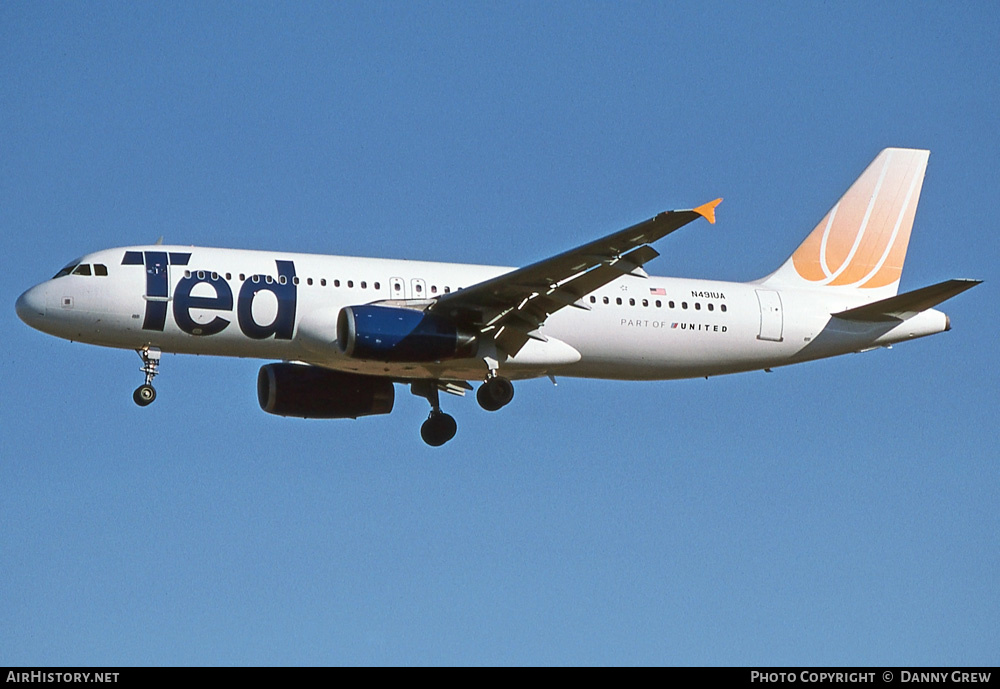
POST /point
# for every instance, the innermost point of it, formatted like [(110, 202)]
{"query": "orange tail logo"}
[(862, 240)]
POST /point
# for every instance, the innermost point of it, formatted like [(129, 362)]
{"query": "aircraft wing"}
[(512, 306)]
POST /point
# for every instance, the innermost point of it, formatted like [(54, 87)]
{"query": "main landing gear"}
[(439, 427), (146, 393), (495, 393)]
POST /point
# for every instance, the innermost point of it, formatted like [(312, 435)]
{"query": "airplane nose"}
[(31, 305)]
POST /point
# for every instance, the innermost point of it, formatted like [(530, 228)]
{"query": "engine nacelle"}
[(387, 333), (311, 392)]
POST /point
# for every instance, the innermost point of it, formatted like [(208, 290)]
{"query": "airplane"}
[(346, 330)]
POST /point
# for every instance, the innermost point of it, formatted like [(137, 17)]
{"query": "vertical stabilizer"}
[(861, 242)]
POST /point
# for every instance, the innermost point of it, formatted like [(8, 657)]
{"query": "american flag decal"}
[(673, 325), (658, 291)]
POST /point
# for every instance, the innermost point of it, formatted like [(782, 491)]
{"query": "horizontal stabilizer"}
[(903, 306)]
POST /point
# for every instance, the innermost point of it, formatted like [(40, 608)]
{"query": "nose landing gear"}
[(146, 393)]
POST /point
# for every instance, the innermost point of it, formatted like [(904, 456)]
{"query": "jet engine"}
[(311, 392), (388, 333)]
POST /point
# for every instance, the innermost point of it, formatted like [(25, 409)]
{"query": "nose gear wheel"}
[(146, 393)]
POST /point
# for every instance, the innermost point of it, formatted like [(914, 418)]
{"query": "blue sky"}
[(838, 512)]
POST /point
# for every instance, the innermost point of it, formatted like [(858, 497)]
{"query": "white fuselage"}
[(282, 306)]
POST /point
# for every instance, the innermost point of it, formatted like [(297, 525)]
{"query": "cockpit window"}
[(82, 269), (67, 270), (100, 269)]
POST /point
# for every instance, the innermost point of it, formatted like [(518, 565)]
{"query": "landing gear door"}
[(771, 318)]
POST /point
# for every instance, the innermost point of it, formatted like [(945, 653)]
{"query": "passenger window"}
[(215, 276), (100, 269), (618, 300), (295, 280), (350, 283), (82, 269), (593, 300), (322, 282), (364, 285), (670, 304), (396, 287), (243, 277), (309, 281), (377, 286), (697, 306), (336, 283), (434, 289), (659, 304), (645, 302), (282, 279), (711, 307), (723, 307), (447, 289), (684, 304), (606, 300), (420, 289), (229, 276)]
